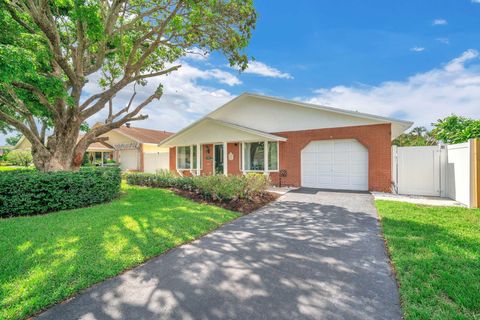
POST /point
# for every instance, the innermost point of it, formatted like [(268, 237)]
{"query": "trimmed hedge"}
[(216, 187), (33, 192)]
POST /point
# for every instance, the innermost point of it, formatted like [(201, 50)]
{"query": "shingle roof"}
[(100, 146), (144, 135)]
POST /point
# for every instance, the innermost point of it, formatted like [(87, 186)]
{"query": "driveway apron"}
[(313, 254)]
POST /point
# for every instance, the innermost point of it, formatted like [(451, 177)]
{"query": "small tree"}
[(20, 157), (418, 136), (456, 129)]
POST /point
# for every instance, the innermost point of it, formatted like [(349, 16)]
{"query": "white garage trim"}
[(335, 164)]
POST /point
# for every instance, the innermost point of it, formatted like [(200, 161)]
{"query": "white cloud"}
[(417, 49), (458, 64), (261, 69), (444, 40), (197, 54), (475, 1), (423, 98), (439, 22), (184, 99)]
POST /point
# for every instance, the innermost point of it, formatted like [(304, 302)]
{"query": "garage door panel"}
[(335, 164)]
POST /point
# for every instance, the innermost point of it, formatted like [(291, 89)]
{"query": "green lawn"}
[(45, 259), (436, 254)]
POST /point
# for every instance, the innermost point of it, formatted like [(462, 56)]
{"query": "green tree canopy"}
[(456, 129), (418, 136), (49, 48)]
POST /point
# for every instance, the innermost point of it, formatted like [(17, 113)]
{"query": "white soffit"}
[(208, 130)]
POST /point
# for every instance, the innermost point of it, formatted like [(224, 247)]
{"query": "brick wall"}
[(376, 138), (234, 164)]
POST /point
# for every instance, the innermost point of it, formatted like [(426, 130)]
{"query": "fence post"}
[(394, 169), (475, 179)]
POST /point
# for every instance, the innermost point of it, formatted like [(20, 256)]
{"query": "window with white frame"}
[(254, 156), (187, 157), (273, 156)]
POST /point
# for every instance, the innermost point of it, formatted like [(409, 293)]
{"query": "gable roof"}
[(140, 135), (398, 126), (236, 132), (314, 106), (144, 135)]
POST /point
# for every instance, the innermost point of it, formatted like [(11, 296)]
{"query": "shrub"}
[(217, 187), (20, 157), (32, 192)]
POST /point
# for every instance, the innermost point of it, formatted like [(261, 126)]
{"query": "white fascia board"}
[(326, 108), (267, 135), (254, 135)]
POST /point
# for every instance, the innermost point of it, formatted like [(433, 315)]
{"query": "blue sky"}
[(415, 60)]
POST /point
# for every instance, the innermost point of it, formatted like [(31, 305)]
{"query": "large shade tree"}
[(50, 48)]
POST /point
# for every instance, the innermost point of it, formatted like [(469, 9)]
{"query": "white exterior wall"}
[(156, 161), (210, 131), (272, 116)]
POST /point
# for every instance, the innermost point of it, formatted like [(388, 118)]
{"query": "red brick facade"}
[(376, 138)]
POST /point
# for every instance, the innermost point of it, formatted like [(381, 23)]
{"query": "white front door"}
[(335, 164)]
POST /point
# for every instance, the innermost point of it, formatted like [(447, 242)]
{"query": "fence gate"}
[(418, 170)]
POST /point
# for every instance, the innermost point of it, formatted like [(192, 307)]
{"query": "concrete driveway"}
[(311, 255)]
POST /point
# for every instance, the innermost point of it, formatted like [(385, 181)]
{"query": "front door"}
[(218, 163)]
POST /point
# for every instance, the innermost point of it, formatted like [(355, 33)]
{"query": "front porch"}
[(217, 147), (99, 154)]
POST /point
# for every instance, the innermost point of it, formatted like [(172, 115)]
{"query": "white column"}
[(225, 159), (265, 157), (242, 156), (198, 159)]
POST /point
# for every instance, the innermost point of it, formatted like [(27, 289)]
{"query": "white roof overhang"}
[(209, 130)]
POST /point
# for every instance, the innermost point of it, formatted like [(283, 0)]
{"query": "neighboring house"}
[(307, 145), (133, 148)]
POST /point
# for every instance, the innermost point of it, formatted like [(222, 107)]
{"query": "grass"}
[(436, 254), (11, 168), (45, 259)]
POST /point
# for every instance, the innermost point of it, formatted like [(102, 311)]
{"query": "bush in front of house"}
[(20, 157), (33, 192), (216, 187)]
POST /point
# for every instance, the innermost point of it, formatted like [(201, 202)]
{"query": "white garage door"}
[(335, 164), (129, 159), (152, 162)]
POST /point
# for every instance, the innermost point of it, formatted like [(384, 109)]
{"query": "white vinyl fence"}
[(152, 162), (442, 171)]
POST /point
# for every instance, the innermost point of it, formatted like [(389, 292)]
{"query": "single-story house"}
[(295, 143), (135, 149)]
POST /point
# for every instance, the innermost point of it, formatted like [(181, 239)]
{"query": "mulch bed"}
[(244, 206)]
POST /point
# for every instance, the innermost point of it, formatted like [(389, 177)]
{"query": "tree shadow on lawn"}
[(291, 260), (438, 270), (47, 258)]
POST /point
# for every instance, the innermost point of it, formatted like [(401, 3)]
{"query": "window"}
[(183, 157), (194, 157), (273, 156), (254, 156), (187, 158)]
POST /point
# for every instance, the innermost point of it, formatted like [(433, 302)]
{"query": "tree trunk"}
[(62, 153)]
